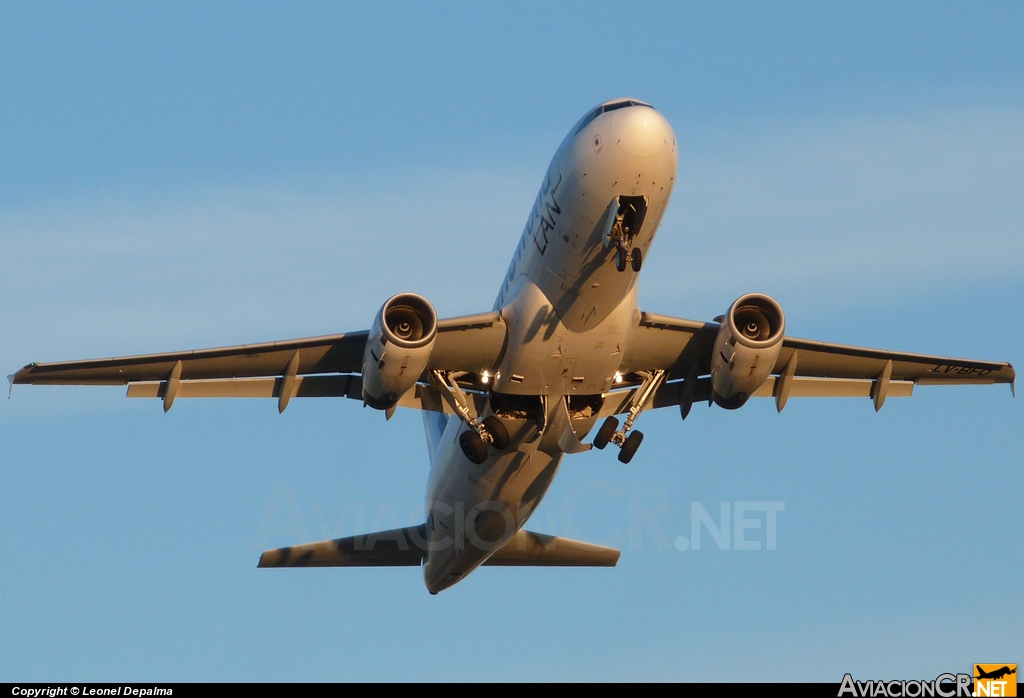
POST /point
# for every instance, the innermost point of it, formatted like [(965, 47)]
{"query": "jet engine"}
[(746, 349), (397, 349)]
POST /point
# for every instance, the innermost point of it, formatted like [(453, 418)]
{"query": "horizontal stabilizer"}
[(405, 547), (528, 549), (399, 547)]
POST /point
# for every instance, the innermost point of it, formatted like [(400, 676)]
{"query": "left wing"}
[(820, 369), (339, 353), (311, 367)]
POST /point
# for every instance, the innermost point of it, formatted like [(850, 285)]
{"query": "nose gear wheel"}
[(636, 259)]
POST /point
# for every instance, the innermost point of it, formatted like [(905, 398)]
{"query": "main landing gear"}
[(489, 430), (473, 441), (627, 441)]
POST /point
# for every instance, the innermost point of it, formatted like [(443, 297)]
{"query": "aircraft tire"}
[(630, 446), (636, 259), (498, 432), (620, 259), (604, 434), (473, 446)]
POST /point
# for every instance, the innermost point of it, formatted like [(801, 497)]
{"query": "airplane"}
[(995, 674), (505, 394)]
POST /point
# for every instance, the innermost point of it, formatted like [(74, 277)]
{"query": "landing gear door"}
[(632, 210), (622, 220), (608, 221)]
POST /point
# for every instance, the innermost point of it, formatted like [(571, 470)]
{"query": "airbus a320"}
[(505, 394)]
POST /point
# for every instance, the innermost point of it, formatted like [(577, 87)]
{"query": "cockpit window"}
[(588, 118), (606, 108), (617, 105)]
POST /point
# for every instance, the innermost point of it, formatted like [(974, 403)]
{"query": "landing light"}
[(618, 377), (484, 377)]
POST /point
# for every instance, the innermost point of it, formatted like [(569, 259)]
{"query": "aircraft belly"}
[(544, 357), (567, 311), (472, 510)]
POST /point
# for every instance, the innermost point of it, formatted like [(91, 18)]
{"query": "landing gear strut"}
[(622, 251), (489, 430), (624, 228), (628, 442)]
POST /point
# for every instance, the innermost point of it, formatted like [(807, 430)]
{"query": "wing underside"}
[(816, 369), (341, 353), (327, 366)]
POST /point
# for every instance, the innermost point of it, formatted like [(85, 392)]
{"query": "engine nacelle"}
[(746, 349), (398, 349)]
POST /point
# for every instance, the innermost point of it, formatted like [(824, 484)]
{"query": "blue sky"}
[(183, 176)]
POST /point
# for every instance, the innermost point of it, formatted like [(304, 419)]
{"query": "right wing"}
[(319, 366), (821, 369)]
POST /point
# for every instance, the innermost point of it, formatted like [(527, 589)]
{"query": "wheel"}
[(498, 432), (620, 259), (473, 446), (604, 434), (636, 258), (630, 446)]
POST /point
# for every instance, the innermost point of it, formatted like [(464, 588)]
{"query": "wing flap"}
[(420, 397), (670, 394), (834, 387), (306, 386)]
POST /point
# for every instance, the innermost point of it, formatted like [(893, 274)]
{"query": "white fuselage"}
[(568, 310)]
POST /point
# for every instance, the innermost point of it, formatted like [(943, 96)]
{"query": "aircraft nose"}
[(643, 132)]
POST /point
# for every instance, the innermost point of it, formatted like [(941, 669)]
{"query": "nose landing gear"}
[(635, 257), (629, 441), (626, 225)]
